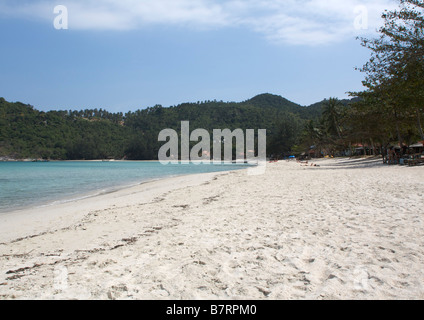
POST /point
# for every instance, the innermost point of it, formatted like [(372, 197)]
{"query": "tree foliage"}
[(394, 77), (391, 107), (98, 134)]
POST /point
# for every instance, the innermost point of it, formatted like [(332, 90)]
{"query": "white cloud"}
[(295, 22), (311, 22)]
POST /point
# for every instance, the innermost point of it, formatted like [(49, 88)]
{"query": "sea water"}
[(35, 184)]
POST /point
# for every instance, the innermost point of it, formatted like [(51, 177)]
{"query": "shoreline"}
[(343, 229), (76, 198), (91, 192), (39, 219)]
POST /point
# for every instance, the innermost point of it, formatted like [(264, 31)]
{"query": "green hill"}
[(97, 134)]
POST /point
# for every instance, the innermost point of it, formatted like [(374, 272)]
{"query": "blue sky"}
[(130, 54)]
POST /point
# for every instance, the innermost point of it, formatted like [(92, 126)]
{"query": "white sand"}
[(344, 230)]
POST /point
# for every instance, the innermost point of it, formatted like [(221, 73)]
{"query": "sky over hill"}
[(129, 54)]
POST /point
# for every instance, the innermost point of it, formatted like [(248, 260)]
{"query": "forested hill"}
[(97, 134), (279, 103)]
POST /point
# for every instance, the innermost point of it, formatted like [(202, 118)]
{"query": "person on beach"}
[(391, 154), (397, 157)]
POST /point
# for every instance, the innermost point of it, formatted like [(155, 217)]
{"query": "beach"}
[(344, 229)]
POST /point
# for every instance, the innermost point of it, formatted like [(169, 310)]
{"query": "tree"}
[(332, 114), (395, 71), (285, 137)]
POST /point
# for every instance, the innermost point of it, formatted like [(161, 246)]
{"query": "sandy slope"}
[(346, 229)]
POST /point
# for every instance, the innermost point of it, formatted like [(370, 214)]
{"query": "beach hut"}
[(416, 154), (362, 150), (418, 145), (303, 156), (417, 148), (359, 151)]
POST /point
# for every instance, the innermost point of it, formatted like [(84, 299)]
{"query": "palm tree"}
[(332, 114)]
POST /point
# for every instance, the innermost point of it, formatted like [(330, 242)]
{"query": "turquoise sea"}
[(33, 184)]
